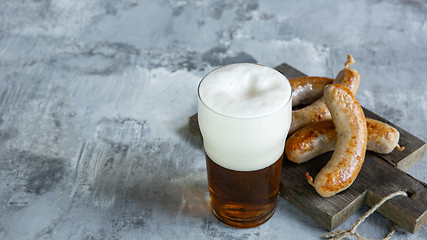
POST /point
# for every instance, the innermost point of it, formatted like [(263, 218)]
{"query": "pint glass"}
[(244, 114)]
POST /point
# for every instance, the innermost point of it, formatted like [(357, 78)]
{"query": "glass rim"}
[(201, 100)]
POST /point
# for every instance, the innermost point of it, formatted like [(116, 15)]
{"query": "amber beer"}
[(244, 117), (239, 198)]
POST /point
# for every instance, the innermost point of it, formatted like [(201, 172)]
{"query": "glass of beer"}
[(244, 114)]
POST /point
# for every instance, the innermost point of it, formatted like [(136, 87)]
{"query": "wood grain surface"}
[(380, 175)]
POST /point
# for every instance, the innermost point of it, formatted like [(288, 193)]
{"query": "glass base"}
[(239, 218)]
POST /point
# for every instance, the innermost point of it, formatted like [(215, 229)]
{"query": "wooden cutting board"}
[(380, 175)]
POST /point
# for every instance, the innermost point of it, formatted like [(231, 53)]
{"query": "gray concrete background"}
[(95, 98)]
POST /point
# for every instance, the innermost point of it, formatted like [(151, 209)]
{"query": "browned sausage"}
[(306, 90), (382, 138), (311, 141), (318, 111), (320, 137), (349, 154)]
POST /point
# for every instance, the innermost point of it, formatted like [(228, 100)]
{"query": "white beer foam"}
[(244, 115)]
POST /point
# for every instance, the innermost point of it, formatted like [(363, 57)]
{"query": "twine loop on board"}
[(352, 232)]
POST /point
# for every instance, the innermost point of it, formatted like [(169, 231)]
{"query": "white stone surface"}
[(95, 98)]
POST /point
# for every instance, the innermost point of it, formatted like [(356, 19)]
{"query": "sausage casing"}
[(306, 90), (318, 111), (349, 154), (320, 137)]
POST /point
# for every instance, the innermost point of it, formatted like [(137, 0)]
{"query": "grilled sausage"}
[(306, 90), (318, 111), (320, 137), (349, 154), (382, 138)]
